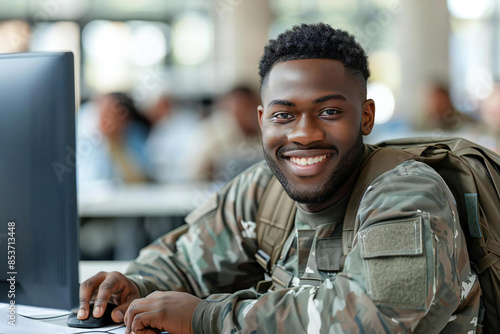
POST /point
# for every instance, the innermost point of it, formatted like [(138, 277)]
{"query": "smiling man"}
[(407, 269), (314, 115)]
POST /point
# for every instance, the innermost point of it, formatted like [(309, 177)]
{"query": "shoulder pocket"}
[(394, 262)]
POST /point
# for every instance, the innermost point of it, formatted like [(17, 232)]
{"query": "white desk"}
[(56, 326), (52, 326), (142, 200)]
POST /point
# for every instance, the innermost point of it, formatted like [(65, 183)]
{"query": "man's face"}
[(313, 116)]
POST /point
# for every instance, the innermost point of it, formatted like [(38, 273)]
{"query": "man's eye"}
[(329, 112), (282, 115)]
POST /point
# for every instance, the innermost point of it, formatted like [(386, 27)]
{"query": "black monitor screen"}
[(38, 211)]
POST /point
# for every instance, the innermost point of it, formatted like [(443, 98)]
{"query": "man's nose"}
[(306, 131)]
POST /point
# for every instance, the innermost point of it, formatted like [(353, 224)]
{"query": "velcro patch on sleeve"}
[(401, 237), (395, 263)]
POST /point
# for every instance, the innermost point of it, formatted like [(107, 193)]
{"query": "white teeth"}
[(307, 161)]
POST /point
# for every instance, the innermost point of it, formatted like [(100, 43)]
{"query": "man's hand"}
[(162, 311), (113, 287)]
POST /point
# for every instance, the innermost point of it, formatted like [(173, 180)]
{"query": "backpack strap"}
[(275, 220), (386, 158), (378, 162)]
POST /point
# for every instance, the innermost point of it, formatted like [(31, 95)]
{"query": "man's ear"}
[(260, 113), (367, 116)]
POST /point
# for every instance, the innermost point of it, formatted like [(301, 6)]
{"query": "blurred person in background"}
[(15, 36), (490, 118), (126, 131), (112, 134), (439, 111), (171, 142), (229, 138), (120, 131)]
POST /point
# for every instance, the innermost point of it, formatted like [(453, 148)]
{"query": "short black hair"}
[(315, 41)]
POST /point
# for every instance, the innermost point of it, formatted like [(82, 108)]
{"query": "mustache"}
[(298, 147)]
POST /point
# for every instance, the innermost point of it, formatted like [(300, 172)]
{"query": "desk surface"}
[(58, 325), (143, 200), (55, 325)]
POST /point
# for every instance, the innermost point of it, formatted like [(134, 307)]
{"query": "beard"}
[(347, 166)]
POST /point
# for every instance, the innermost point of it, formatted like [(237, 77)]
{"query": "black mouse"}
[(92, 322)]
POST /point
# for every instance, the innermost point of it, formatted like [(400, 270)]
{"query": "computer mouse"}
[(92, 322)]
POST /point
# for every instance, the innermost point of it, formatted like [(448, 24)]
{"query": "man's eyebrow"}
[(315, 101), (281, 103), (330, 97)]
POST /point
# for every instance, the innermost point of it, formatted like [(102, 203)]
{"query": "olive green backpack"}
[(472, 173)]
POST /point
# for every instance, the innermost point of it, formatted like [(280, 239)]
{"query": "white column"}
[(424, 30), (241, 32)]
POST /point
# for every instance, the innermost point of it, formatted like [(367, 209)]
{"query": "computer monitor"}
[(38, 208)]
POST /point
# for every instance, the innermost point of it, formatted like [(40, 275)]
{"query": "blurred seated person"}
[(111, 140), (171, 141), (229, 138), (112, 134), (440, 113), (490, 118)]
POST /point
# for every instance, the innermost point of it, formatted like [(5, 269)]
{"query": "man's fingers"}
[(87, 289), (111, 284), (101, 287), (135, 308), (129, 315), (141, 323), (118, 313), (169, 310)]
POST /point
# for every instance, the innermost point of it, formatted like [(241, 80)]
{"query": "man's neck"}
[(343, 191)]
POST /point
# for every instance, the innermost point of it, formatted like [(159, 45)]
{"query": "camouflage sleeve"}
[(216, 253), (408, 271)]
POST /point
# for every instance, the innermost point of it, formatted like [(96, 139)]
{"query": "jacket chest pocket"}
[(325, 251), (328, 253)]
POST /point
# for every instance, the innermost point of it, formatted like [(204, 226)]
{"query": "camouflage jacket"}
[(408, 270)]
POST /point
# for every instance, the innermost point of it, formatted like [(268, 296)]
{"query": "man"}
[(408, 270)]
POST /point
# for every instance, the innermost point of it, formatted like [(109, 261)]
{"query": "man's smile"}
[(308, 161)]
